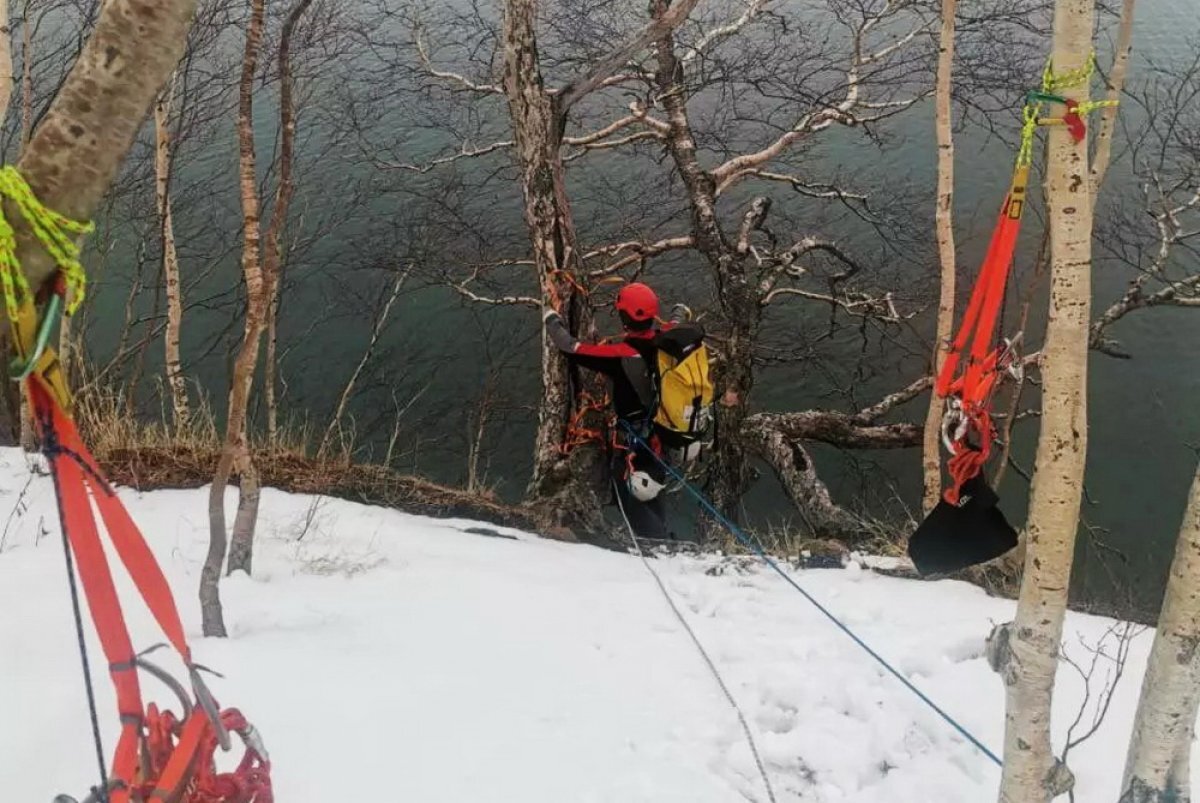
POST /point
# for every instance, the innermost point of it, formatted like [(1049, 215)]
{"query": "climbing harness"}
[(752, 544), (158, 756), (708, 661), (965, 527)]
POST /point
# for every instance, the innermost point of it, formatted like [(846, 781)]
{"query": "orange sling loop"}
[(973, 387), (82, 491)]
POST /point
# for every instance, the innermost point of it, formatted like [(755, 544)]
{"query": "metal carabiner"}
[(166, 678), (1009, 360), (208, 705), (954, 424)]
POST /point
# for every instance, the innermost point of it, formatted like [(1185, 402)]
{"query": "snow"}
[(385, 656)]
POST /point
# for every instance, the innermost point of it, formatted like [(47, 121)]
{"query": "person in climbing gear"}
[(631, 365)]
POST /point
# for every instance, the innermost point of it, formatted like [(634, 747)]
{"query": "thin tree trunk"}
[(180, 408), (236, 455), (1157, 768), (943, 218), (335, 421), (476, 431), (1116, 82), (212, 616), (1026, 650), (558, 485), (269, 366), (273, 254)]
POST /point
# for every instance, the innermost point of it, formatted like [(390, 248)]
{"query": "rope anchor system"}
[(966, 527), (158, 756)]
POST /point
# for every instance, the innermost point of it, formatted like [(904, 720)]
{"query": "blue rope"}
[(754, 546)]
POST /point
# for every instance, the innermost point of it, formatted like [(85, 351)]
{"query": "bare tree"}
[(1158, 768), (377, 327), (260, 267), (180, 409), (283, 199), (1026, 654), (944, 222), (236, 454)]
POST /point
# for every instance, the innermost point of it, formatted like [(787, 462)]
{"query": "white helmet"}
[(643, 486)]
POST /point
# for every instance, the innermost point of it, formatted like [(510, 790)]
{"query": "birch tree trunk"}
[(180, 409), (236, 457), (71, 160), (270, 363), (1157, 768), (943, 219), (558, 485), (1116, 82), (1026, 650), (273, 256)]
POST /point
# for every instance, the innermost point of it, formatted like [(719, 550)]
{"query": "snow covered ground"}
[(391, 657)]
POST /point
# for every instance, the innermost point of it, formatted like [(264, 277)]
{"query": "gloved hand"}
[(681, 312), (550, 314)]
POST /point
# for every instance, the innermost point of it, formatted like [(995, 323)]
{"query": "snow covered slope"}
[(396, 658)]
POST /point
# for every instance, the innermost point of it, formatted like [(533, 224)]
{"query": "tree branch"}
[(663, 24), (838, 429), (639, 251), (461, 81), (466, 151)]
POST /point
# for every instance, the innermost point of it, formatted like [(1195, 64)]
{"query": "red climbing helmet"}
[(637, 302)]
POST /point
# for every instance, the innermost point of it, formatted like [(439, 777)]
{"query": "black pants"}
[(647, 519)]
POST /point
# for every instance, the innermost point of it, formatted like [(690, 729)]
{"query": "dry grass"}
[(147, 454), (879, 537)]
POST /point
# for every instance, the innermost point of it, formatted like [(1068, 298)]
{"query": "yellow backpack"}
[(685, 390)]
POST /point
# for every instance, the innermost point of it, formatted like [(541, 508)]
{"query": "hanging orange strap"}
[(164, 766), (973, 384), (978, 327), (78, 483)]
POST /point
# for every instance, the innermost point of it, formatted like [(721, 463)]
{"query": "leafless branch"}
[(456, 79), (617, 59), (466, 151), (629, 253)]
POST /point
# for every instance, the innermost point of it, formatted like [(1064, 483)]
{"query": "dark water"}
[(439, 354)]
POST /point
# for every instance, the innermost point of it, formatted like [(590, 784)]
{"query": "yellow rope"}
[(1054, 82), (56, 233), (1030, 113)]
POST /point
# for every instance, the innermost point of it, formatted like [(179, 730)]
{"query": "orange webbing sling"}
[(973, 388)]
